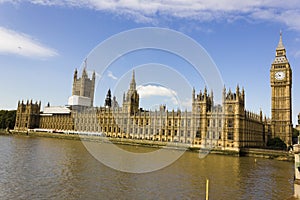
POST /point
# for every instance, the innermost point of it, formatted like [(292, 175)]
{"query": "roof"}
[(56, 110)]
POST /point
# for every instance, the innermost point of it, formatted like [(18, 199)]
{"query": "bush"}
[(276, 143)]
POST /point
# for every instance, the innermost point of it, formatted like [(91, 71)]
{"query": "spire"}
[(85, 63), (237, 91), (280, 44), (280, 52), (75, 74), (94, 75), (108, 99), (133, 84), (193, 94), (84, 73)]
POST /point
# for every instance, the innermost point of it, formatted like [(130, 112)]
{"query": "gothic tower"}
[(202, 104), (131, 100), (84, 86), (27, 116), (281, 97), (234, 111)]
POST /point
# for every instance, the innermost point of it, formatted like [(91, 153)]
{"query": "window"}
[(189, 123), (198, 134), (230, 136), (230, 123), (230, 108), (175, 133)]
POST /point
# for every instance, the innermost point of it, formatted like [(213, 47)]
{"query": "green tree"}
[(295, 132), (7, 119), (276, 143)]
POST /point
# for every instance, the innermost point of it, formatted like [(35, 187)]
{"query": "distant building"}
[(225, 126)]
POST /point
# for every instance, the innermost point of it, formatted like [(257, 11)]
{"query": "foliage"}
[(276, 143), (295, 132), (7, 119)]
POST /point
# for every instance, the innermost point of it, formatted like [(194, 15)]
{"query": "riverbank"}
[(249, 152)]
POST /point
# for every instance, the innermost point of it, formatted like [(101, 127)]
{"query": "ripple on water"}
[(45, 168)]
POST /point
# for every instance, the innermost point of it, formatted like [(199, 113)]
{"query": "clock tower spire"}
[(281, 97)]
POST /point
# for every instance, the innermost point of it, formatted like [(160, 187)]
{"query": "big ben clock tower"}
[(281, 87)]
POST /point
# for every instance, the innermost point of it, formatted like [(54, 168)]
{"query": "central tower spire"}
[(132, 83)]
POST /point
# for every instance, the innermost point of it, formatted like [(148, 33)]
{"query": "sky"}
[(43, 41)]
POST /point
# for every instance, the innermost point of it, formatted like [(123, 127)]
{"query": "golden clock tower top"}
[(280, 52)]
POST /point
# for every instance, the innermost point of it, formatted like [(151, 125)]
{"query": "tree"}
[(295, 132), (7, 119), (276, 143)]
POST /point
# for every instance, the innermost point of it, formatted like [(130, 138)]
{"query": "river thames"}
[(47, 168)]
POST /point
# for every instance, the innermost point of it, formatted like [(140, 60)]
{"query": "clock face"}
[(279, 75)]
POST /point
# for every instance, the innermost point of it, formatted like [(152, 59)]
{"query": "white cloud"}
[(286, 12), (154, 90), (13, 42), (110, 75)]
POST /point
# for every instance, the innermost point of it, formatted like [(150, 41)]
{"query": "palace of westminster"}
[(226, 127)]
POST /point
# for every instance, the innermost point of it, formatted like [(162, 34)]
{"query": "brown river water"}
[(47, 168)]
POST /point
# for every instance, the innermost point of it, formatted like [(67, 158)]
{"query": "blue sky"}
[(42, 42)]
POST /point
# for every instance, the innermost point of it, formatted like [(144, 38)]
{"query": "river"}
[(48, 168)]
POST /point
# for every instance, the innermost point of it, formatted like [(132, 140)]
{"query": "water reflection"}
[(45, 168)]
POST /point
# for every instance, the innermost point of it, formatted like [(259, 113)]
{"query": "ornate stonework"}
[(281, 95)]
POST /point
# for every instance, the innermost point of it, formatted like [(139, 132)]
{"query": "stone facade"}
[(83, 86), (227, 127), (57, 122), (281, 97), (27, 116)]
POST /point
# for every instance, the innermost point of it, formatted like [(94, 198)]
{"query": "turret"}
[(193, 95), (131, 103), (75, 74), (108, 99)]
